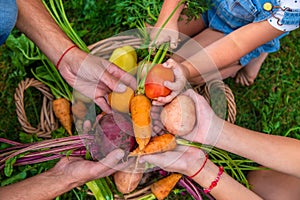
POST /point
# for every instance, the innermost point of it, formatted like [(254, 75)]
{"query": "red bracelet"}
[(64, 53), (206, 157), (215, 182)]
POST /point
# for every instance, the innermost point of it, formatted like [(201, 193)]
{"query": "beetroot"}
[(114, 131)]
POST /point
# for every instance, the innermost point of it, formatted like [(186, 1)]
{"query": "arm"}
[(188, 160), (230, 48), (67, 174), (166, 10), (37, 24), (276, 152), (90, 75), (170, 32)]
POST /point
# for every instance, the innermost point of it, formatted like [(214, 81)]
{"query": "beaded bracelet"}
[(64, 53), (197, 172), (215, 182)]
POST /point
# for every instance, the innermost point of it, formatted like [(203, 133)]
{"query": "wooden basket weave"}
[(48, 123)]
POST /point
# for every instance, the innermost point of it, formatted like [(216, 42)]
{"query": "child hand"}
[(168, 34), (157, 126), (177, 86)]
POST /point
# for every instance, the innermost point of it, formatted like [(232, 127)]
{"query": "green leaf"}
[(9, 163), (93, 186), (20, 176)]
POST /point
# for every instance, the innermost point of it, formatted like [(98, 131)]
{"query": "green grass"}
[(271, 105)]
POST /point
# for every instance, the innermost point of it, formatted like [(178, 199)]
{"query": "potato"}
[(127, 181), (79, 110), (179, 116)]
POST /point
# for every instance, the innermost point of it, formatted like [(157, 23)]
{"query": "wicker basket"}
[(103, 49), (48, 123)]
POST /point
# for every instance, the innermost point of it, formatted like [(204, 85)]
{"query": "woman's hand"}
[(208, 125), (184, 160), (95, 77), (176, 87)]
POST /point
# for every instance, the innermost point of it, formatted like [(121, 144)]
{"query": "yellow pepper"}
[(126, 58)]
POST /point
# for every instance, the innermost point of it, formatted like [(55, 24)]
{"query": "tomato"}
[(154, 81)]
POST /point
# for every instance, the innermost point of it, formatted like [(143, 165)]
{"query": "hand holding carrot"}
[(184, 160), (94, 77)]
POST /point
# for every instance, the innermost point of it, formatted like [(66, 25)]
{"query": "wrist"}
[(214, 134), (186, 68), (185, 71), (207, 174), (65, 181), (71, 58), (199, 166)]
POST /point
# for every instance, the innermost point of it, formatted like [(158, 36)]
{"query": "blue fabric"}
[(8, 18), (291, 17), (229, 15)]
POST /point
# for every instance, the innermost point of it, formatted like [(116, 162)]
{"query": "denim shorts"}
[(227, 16), (8, 18)]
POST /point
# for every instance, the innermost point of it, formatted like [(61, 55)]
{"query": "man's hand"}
[(95, 78)]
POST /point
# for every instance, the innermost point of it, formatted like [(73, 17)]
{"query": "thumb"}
[(113, 158), (173, 42), (113, 83)]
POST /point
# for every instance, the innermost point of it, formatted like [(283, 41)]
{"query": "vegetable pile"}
[(128, 127)]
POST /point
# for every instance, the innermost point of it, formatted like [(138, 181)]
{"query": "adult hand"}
[(79, 171), (184, 160), (208, 125), (177, 86), (94, 77)]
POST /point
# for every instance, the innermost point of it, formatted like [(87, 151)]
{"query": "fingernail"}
[(121, 87), (120, 154)]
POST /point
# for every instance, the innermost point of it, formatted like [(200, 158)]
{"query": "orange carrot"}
[(164, 186), (62, 110), (140, 107), (157, 144)]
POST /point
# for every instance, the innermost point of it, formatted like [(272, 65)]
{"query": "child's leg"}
[(247, 74), (191, 28), (226, 72), (273, 185)]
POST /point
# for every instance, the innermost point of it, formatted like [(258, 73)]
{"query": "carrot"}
[(140, 107), (163, 187), (157, 144), (62, 110)]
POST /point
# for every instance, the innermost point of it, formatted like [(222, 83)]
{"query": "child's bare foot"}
[(247, 74)]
